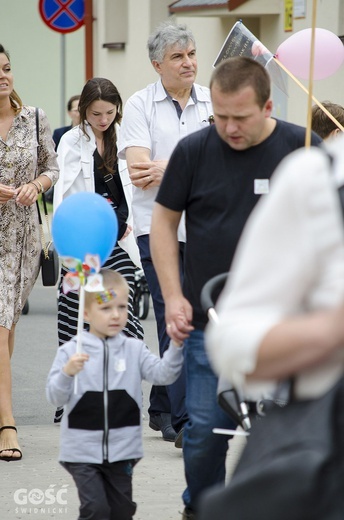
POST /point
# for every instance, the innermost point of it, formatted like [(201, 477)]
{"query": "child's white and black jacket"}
[(102, 421)]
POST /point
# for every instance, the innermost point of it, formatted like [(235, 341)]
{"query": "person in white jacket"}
[(101, 430), (87, 157)]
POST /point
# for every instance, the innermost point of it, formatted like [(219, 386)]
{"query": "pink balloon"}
[(294, 53)]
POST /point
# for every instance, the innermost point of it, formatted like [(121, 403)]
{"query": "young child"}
[(101, 431)]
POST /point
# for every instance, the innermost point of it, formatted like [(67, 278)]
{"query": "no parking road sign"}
[(62, 15)]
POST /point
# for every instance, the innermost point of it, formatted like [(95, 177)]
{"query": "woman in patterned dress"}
[(26, 170), (86, 155)]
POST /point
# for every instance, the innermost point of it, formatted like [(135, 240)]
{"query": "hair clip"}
[(105, 296)]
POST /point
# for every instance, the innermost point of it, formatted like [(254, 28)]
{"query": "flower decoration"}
[(82, 274)]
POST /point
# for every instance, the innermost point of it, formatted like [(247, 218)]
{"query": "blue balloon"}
[(85, 223)]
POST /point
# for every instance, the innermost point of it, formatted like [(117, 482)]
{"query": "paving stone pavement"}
[(38, 488)]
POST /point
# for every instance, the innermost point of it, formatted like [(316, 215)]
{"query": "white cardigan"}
[(75, 160)]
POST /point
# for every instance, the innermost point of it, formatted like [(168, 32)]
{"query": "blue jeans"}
[(204, 451), (171, 398)]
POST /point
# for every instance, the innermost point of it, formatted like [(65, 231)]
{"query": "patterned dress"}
[(20, 243)]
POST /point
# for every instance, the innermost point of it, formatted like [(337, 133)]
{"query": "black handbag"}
[(49, 258), (292, 467)]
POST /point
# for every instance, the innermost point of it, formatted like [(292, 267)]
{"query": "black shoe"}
[(178, 441), (58, 415), (188, 514), (162, 423)]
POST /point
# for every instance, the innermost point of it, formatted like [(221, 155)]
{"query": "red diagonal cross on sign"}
[(62, 15), (63, 7)]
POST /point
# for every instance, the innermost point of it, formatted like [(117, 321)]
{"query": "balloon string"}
[(320, 105)]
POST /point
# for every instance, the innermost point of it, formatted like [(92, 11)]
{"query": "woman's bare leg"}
[(11, 340), (8, 438)]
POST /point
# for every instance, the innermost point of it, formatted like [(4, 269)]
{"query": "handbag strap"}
[(108, 178), (45, 213), (45, 245)]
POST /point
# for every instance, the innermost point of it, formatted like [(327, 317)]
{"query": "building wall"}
[(130, 69), (36, 50)]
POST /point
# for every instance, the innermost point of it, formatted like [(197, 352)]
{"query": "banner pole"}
[(311, 74)]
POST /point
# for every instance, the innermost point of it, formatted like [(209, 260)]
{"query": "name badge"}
[(120, 365), (261, 186)]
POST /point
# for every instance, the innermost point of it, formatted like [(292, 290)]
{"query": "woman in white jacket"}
[(87, 157)]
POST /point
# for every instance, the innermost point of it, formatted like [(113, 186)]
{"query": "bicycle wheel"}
[(143, 304)]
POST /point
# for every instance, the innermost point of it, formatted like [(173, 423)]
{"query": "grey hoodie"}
[(103, 420)]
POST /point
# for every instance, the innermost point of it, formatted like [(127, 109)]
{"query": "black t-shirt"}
[(214, 184)]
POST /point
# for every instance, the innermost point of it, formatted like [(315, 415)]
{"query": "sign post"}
[(63, 16)]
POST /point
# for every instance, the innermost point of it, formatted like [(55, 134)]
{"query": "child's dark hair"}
[(321, 123)]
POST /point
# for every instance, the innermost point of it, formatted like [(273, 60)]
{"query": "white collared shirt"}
[(150, 121)]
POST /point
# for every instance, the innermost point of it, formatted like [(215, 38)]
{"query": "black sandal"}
[(13, 450)]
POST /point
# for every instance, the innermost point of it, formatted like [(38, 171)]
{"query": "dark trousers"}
[(105, 490), (171, 398)]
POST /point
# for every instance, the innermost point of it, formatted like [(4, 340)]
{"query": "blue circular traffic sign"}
[(62, 15)]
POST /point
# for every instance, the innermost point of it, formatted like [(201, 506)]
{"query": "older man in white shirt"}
[(154, 120)]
